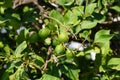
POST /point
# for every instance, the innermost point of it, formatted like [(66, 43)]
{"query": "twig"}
[(36, 26), (47, 58)]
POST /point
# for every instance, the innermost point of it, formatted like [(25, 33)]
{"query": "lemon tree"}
[(59, 39)]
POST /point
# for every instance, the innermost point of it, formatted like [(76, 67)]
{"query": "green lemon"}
[(44, 32), (34, 38), (59, 49), (69, 54), (1, 44), (63, 37)]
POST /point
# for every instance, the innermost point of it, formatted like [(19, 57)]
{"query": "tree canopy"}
[(59, 39)]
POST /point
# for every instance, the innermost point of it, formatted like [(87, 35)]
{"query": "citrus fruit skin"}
[(59, 49), (44, 32), (1, 44), (63, 37), (34, 38)]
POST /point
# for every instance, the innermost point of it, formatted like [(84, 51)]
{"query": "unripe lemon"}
[(43, 33), (59, 49), (63, 37)]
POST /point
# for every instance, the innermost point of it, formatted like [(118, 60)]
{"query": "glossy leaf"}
[(79, 11), (102, 36), (70, 18), (89, 9), (56, 15), (20, 48), (49, 77), (70, 71), (116, 8), (85, 25), (114, 63), (65, 2)]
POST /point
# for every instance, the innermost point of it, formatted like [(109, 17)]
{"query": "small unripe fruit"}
[(59, 49), (63, 37), (43, 33)]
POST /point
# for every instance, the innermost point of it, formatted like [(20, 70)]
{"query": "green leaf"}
[(24, 35), (98, 17), (38, 60), (49, 77), (68, 2), (2, 20), (85, 34), (17, 16), (15, 23), (2, 9), (79, 11), (8, 3), (29, 17), (103, 36), (89, 9), (18, 75), (79, 2), (56, 15), (5, 75), (70, 20), (88, 24), (2, 2), (70, 71), (85, 25), (114, 63), (116, 8), (20, 48), (65, 2)]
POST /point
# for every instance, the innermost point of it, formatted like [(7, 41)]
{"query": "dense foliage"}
[(37, 40)]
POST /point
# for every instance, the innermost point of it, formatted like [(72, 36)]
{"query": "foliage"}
[(35, 46)]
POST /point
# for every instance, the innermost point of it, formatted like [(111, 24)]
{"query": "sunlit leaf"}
[(18, 75), (70, 71), (114, 63), (20, 48), (85, 34), (79, 11), (116, 8), (65, 2), (85, 25), (70, 20), (49, 77), (103, 36), (89, 9), (56, 15)]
